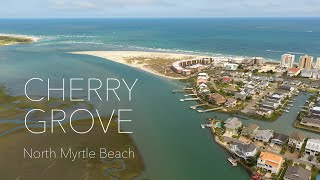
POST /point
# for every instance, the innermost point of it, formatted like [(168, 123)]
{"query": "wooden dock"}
[(198, 105), (189, 99), (208, 110)]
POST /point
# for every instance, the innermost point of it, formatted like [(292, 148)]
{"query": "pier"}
[(198, 105), (208, 110), (189, 99)]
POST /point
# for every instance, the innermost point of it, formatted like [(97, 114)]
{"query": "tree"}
[(310, 158), (251, 160)]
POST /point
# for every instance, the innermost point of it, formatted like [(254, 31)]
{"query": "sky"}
[(157, 8)]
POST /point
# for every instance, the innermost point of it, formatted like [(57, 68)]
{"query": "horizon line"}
[(162, 17)]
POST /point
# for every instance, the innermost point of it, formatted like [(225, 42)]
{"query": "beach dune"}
[(157, 63)]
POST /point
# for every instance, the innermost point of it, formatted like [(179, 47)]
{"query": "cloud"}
[(158, 8), (103, 4)]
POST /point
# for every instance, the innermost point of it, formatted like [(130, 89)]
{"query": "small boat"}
[(232, 161), (203, 126)]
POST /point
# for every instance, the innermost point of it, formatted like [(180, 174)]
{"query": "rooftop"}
[(297, 173), (270, 159)]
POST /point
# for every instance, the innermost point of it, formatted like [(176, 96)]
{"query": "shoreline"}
[(145, 60), (123, 56)]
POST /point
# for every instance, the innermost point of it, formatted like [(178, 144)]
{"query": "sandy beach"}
[(157, 63)]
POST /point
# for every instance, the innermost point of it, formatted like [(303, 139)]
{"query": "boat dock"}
[(208, 110), (190, 95), (233, 161), (198, 105), (189, 99)]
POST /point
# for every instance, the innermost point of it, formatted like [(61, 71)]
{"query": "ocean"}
[(166, 131)]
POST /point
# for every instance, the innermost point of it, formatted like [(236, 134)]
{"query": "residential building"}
[(279, 139), (232, 126), (305, 62), (313, 147), (241, 95), (226, 80), (217, 99), (306, 73), (311, 122), (286, 87), (250, 130), (293, 72), (231, 67), (269, 162), (201, 81), (231, 102), (296, 139), (264, 112), (263, 135), (203, 76), (243, 150), (287, 60), (297, 173)]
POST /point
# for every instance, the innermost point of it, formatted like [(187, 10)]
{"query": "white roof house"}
[(313, 146)]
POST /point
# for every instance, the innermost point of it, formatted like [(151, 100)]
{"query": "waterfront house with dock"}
[(231, 102), (243, 150), (269, 162), (232, 126), (311, 122), (296, 139), (217, 99)]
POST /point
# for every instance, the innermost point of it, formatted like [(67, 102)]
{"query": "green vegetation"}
[(62, 168), (160, 65), (314, 172), (13, 144), (16, 107), (8, 40)]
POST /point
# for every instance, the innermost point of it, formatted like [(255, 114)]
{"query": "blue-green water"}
[(166, 130)]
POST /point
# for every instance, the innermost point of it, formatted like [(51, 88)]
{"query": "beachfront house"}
[(279, 139), (250, 130), (296, 139), (243, 150), (232, 125), (313, 147), (263, 135), (297, 173), (269, 162)]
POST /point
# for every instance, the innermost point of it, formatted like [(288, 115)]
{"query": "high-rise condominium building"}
[(287, 60), (306, 62), (318, 63)]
